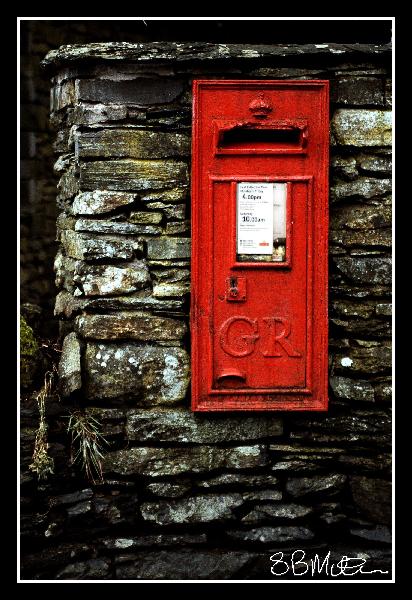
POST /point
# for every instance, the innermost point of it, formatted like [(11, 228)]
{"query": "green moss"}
[(28, 344), (29, 350)]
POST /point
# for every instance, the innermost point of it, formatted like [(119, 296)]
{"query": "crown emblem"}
[(260, 106)]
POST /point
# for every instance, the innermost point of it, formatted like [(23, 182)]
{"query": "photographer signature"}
[(347, 565)]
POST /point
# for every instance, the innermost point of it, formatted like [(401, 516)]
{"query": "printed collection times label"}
[(255, 218)]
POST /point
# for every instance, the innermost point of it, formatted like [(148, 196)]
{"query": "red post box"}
[(259, 245)]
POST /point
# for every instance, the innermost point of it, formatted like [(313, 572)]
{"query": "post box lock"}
[(259, 245), (236, 289)]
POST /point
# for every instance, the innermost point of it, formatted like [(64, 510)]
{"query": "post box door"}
[(259, 235)]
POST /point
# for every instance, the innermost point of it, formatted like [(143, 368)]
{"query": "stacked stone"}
[(208, 496), (37, 181)]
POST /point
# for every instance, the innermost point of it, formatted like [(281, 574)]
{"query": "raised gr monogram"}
[(243, 341)]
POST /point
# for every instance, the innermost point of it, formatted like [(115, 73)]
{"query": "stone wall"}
[(37, 180), (204, 496)]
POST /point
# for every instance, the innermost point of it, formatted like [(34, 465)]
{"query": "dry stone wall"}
[(204, 496), (38, 210)]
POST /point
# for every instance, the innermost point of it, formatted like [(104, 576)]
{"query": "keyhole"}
[(233, 287)]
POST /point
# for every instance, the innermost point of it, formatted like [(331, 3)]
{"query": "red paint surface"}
[(261, 342)]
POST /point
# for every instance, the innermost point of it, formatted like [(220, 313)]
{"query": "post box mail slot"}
[(259, 245)]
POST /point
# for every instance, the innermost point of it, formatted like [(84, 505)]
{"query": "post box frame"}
[(204, 396)]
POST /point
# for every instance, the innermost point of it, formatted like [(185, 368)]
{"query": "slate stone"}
[(305, 451), (93, 114), (171, 290), (131, 175), (357, 91), (383, 391), (130, 91), (344, 166), (132, 143), (157, 462), (262, 496), (169, 489), (177, 227), (364, 361), (361, 217), (271, 535), (181, 425), (350, 389), (108, 512), (177, 194), (347, 308), (176, 52), (116, 227), (381, 238), (148, 375), (145, 218), (362, 127), (174, 212), (362, 187), (388, 93), (169, 263), (64, 221), (197, 509), (89, 248), (384, 309), (369, 464), (374, 270), (71, 498), (129, 325), (155, 540), (70, 375), (267, 512), (101, 280), (287, 73), (140, 300), (353, 427), (341, 290), (171, 275), (239, 480), (378, 534), (64, 268), (63, 163), (358, 319), (100, 202), (168, 248), (62, 95), (303, 486), (377, 165), (66, 305), (79, 509), (68, 185), (291, 464)]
